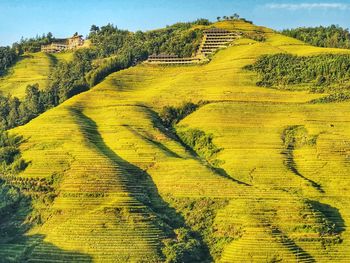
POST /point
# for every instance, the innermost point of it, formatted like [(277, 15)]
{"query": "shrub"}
[(171, 115), (331, 36), (10, 158), (183, 248), (286, 69), (200, 142)]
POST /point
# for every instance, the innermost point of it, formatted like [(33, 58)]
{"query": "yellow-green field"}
[(119, 168), (32, 68)]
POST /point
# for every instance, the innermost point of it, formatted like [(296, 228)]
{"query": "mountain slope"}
[(32, 68), (125, 187)]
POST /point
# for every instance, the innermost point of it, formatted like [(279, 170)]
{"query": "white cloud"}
[(310, 6)]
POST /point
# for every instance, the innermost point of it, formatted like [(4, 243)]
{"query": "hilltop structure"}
[(213, 39), (170, 59), (63, 44)]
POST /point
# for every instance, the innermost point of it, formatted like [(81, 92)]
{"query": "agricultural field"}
[(32, 68), (268, 183)]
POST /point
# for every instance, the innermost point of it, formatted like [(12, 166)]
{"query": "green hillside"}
[(255, 174), (31, 68)]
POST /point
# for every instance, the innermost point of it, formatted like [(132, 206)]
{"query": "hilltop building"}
[(63, 44), (213, 39)]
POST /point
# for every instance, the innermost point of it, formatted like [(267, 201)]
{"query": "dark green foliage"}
[(200, 142), (331, 36), (200, 214), (14, 112), (68, 78), (9, 199), (8, 56), (107, 67), (255, 35), (108, 40), (183, 248), (335, 97), (177, 39), (34, 44), (325, 72), (10, 157), (197, 140), (171, 115)]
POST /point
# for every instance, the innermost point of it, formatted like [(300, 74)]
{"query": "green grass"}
[(31, 68), (120, 169)]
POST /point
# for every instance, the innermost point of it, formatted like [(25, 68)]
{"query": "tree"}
[(49, 36), (218, 18), (32, 100), (94, 29)]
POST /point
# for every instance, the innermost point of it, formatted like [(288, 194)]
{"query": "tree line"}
[(179, 39), (324, 72), (33, 44), (8, 56), (332, 36)]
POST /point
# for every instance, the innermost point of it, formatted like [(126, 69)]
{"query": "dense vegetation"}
[(201, 143), (171, 115), (331, 36), (33, 44), (327, 72), (7, 57), (200, 215), (179, 39), (196, 140), (9, 199), (10, 157)]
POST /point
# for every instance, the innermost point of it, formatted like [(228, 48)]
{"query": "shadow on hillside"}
[(332, 214), (52, 58), (148, 194), (290, 163), (157, 123), (16, 218), (157, 144), (219, 171), (300, 254)]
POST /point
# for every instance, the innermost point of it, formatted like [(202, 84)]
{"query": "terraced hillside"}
[(122, 187), (32, 68)]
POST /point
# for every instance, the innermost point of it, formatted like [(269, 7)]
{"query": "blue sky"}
[(28, 18)]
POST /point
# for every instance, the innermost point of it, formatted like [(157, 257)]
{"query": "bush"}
[(328, 71), (183, 248), (9, 198), (8, 56), (200, 142), (171, 115), (10, 158), (331, 36), (336, 97), (107, 67)]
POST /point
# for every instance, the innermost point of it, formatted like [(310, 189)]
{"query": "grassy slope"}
[(119, 166), (32, 68)]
